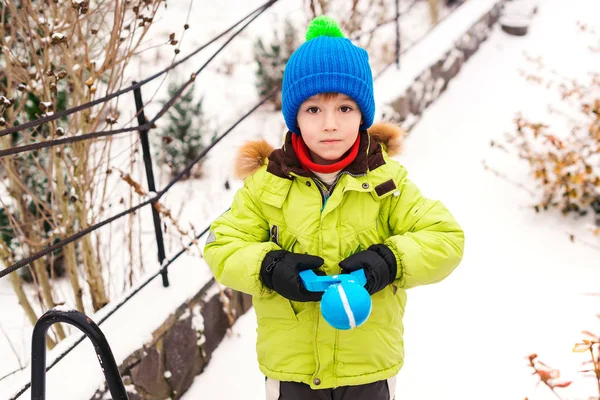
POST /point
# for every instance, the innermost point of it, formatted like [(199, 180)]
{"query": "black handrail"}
[(92, 331)]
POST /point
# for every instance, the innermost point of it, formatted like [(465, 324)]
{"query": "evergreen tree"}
[(184, 136), (271, 62)]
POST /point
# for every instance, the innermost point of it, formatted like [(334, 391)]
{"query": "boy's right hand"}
[(280, 271)]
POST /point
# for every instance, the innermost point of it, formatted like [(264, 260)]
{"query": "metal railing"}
[(92, 331)]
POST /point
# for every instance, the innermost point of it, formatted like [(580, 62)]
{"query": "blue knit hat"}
[(327, 62)]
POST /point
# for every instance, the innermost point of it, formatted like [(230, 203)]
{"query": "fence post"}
[(398, 34), (91, 330), (141, 117)]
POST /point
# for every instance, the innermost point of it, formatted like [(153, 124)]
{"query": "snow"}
[(234, 361), (63, 309), (520, 288), (525, 8), (394, 82)]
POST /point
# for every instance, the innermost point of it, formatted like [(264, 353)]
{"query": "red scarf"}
[(303, 155)]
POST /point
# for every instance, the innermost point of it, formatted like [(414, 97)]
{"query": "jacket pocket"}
[(275, 310), (284, 238), (387, 309), (369, 236), (359, 241)]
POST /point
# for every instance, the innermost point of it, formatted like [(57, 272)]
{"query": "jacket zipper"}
[(274, 233), (325, 194), (272, 264)]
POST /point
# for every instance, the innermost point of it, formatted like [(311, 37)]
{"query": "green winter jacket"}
[(280, 207)]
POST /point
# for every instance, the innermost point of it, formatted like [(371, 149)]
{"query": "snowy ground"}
[(523, 286)]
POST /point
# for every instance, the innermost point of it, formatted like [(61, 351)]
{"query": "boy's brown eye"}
[(345, 109), (312, 110)]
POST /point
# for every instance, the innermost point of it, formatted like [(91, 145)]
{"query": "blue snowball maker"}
[(346, 305)]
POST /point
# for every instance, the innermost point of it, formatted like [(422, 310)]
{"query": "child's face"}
[(329, 126)]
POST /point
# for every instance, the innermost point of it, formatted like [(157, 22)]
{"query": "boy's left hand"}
[(379, 264)]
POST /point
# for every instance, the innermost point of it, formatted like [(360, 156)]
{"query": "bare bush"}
[(564, 158), (56, 55), (551, 377)]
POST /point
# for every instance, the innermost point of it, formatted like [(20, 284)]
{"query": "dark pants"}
[(299, 391)]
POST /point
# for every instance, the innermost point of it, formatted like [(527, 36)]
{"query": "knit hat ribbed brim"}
[(327, 62)]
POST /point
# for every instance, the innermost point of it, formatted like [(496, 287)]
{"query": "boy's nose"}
[(330, 123)]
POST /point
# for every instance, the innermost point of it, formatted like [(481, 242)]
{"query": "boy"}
[(330, 200)]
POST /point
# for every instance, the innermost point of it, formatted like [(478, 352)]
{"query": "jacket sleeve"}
[(238, 242), (426, 239)]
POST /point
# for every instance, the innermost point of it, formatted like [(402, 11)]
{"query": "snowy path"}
[(521, 287)]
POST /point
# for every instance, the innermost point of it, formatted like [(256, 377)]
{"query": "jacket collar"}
[(284, 162)]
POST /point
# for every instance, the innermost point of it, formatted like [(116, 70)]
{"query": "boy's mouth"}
[(330, 141)]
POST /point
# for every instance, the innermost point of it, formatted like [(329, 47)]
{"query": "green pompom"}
[(323, 26)]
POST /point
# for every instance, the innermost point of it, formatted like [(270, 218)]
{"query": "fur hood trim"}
[(254, 154)]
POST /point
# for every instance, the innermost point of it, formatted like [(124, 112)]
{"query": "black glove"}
[(280, 272), (379, 264)]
